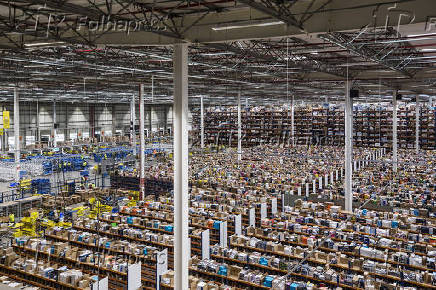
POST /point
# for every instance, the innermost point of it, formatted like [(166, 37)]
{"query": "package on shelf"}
[(70, 277)]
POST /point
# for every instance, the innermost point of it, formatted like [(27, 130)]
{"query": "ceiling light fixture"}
[(247, 25), (216, 53), (422, 34), (43, 43)]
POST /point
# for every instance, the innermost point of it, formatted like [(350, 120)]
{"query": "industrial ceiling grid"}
[(42, 50)]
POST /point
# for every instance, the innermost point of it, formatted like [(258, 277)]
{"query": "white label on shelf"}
[(273, 205), (252, 217), (263, 211), (283, 201), (102, 284), (134, 276), (223, 234), (205, 244), (238, 225), (161, 265)]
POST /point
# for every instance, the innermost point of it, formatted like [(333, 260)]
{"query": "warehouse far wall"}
[(77, 120)]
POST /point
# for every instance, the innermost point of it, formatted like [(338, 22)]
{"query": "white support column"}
[(394, 132), (152, 89), (66, 131), (348, 149), (38, 132), (181, 150), (150, 123), (417, 120), (293, 121), (141, 142), (202, 122), (114, 119), (17, 134), (239, 127), (54, 124), (132, 124)]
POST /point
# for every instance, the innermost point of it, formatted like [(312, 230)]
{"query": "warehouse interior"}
[(217, 144)]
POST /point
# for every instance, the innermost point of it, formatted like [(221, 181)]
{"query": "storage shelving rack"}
[(323, 124)]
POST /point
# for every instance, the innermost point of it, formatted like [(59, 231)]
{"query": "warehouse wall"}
[(76, 119)]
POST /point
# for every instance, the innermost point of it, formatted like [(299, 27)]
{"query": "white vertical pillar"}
[(239, 127), (348, 148), (394, 132), (66, 131), (114, 119), (132, 124), (293, 121), (180, 64), (17, 134), (38, 132), (54, 124), (417, 120), (141, 142), (152, 89), (314, 186), (202, 122)]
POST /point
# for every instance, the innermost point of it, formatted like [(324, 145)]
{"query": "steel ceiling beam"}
[(272, 54), (90, 13), (276, 10), (368, 53)]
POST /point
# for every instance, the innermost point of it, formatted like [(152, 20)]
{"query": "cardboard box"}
[(10, 258), (168, 278), (193, 281), (83, 283), (234, 271)]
